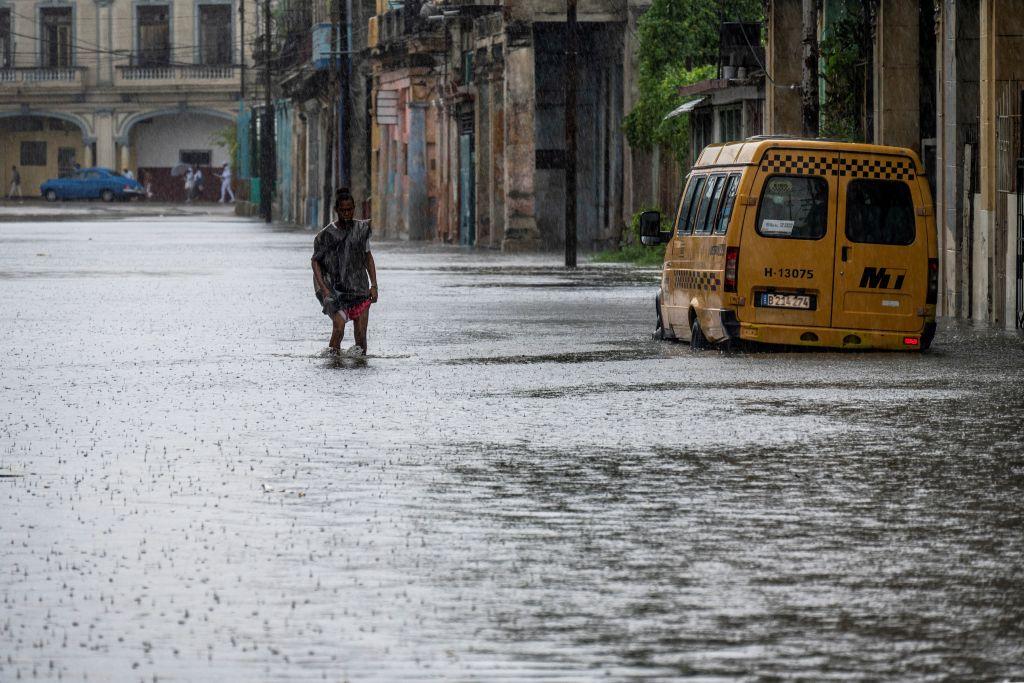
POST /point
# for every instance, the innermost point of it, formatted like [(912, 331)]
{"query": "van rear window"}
[(879, 212), (794, 207)]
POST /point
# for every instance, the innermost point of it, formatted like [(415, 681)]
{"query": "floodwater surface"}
[(518, 483)]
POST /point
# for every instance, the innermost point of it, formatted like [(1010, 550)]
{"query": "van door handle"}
[(845, 253)]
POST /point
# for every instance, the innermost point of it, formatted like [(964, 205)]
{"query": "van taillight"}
[(933, 281), (732, 257)]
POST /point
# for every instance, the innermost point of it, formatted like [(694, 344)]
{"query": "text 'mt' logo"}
[(882, 278)]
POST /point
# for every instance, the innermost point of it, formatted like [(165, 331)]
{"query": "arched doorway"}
[(153, 143), (41, 146)]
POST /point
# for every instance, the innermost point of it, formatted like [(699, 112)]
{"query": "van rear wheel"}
[(698, 342)]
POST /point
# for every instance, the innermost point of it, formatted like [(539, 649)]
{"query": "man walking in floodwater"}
[(344, 274)]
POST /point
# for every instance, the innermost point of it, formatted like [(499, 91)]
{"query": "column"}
[(125, 156), (521, 233), (104, 127), (897, 90), (986, 202), (497, 143), (89, 161), (782, 100)]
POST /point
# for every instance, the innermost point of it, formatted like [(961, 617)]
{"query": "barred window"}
[(33, 153)]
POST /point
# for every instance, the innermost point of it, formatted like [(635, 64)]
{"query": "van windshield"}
[(879, 212), (794, 207)]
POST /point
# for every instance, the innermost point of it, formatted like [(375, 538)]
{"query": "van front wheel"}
[(659, 326), (698, 342)]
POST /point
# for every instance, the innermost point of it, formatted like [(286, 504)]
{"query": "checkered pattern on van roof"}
[(800, 163)]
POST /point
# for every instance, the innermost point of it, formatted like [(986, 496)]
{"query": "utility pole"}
[(332, 111), (571, 50), (344, 154), (241, 49), (809, 80), (267, 127)]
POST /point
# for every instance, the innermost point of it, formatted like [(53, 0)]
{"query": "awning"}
[(684, 108)]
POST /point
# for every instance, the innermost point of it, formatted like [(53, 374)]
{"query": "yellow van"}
[(800, 242)]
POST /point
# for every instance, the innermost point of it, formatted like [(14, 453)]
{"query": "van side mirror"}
[(650, 229)]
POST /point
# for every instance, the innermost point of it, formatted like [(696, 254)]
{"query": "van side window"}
[(729, 201), (685, 205), (794, 207), (879, 212), (698, 188), (709, 209)]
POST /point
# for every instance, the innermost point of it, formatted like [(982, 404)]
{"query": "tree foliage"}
[(678, 46), (845, 52)]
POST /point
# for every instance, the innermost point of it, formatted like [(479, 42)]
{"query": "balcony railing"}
[(42, 75), (177, 72)]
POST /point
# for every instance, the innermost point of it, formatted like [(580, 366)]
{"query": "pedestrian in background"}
[(189, 184), (341, 263), (225, 183), (197, 183), (128, 174), (15, 183)]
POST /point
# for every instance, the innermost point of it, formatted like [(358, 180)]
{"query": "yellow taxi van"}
[(800, 242)]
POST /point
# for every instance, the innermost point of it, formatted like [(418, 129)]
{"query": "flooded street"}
[(517, 483)]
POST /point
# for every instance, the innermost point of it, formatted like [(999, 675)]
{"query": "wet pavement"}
[(517, 484)]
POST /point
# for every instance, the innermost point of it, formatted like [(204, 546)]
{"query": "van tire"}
[(107, 196), (698, 342), (51, 195)]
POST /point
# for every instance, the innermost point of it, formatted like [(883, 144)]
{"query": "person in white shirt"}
[(128, 174), (197, 183), (225, 183), (189, 184)]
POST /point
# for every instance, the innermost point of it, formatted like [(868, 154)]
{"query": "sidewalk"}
[(37, 209)]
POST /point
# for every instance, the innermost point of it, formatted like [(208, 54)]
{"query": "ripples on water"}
[(517, 483)]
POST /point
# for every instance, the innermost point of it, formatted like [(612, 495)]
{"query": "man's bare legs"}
[(361, 324), (337, 331)]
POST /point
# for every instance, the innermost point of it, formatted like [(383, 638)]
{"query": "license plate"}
[(773, 300)]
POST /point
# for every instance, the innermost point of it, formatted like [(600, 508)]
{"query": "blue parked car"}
[(91, 183)]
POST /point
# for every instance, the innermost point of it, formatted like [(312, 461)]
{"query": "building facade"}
[(318, 73), (469, 116), (138, 84), (945, 78)]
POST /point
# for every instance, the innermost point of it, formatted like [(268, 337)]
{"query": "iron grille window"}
[(33, 153), (215, 35), (56, 37), (5, 39), (153, 35), (195, 157), (730, 124)]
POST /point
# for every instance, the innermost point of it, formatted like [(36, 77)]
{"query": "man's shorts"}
[(333, 304)]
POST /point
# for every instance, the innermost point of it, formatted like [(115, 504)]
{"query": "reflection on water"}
[(517, 483)]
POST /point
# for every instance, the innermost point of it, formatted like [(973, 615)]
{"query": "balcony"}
[(42, 76), (178, 73)]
